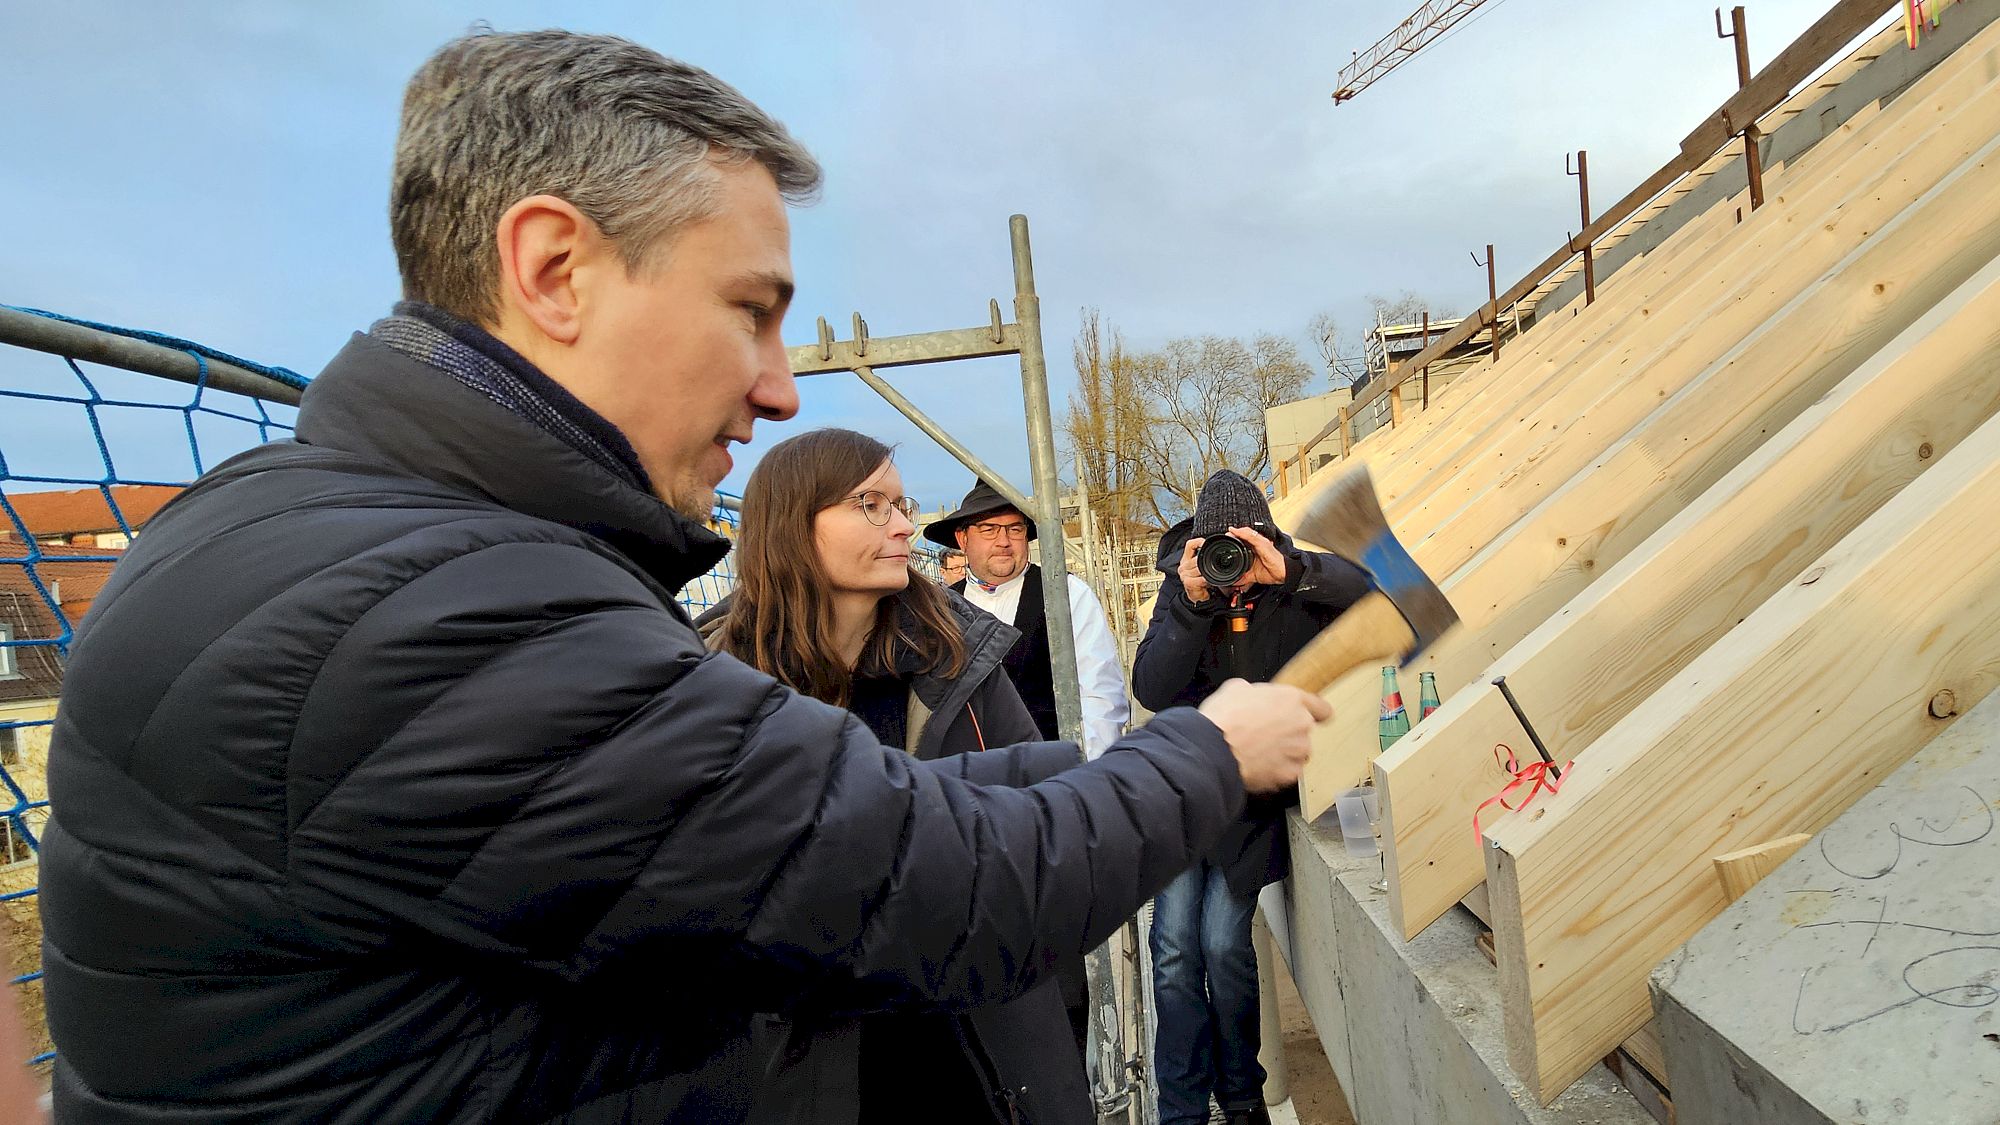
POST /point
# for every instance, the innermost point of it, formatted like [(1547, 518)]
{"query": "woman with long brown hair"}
[(826, 602)]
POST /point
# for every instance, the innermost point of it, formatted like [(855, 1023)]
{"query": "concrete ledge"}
[(1857, 982), (1413, 1029)]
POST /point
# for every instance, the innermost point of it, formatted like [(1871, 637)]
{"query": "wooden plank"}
[(1583, 522), (1775, 729), (1491, 394), (1475, 900), (1737, 204), (1744, 868), (1646, 1089), (1703, 310), (1696, 575), (1842, 24), (1838, 318), (1644, 1045), (1343, 745), (1492, 391), (1622, 296), (1762, 275)]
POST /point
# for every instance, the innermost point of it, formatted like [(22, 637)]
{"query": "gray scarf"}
[(482, 362)]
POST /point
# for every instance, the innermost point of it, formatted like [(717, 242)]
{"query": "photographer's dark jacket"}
[(1181, 661), (390, 784)]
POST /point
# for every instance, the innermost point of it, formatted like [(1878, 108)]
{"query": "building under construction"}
[(1703, 829), (1717, 533)]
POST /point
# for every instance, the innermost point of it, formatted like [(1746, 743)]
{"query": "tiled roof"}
[(83, 511), (29, 618), (76, 575)]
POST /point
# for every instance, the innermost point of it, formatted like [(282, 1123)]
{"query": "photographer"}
[(1238, 600)]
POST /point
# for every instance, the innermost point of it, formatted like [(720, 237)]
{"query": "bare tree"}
[(1193, 390), (1086, 427), (1340, 358), (1104, 411), (1404, 308), (1150, 426)]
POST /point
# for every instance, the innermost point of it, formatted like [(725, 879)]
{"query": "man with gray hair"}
[(437, 809)]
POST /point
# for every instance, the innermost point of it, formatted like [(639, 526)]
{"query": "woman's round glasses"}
[(876, 506)]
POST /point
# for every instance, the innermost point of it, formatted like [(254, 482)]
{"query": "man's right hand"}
[(1192, 583), (1269, 728)]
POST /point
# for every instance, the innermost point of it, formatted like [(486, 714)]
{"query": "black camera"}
[(1223, 559)]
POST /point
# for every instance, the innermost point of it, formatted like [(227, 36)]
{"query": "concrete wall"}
[(1289, 424), (1860, 981), (1413, 1029)]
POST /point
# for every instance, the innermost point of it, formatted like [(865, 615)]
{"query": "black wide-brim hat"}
[(983, 500)]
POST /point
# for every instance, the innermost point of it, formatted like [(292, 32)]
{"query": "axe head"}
[(1346, 518)]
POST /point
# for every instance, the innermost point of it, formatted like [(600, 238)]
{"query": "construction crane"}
[(1399, 46)]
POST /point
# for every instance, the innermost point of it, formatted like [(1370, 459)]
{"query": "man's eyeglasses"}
[(876, 506), (992, 531)]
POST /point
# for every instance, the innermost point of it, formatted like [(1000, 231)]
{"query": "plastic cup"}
[(1357, 808)]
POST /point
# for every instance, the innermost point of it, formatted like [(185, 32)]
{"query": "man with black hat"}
[(1001, 580), (1240, 609), (994, 535)]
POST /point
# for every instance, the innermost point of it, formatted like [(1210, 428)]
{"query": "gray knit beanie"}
[(1229, 500)]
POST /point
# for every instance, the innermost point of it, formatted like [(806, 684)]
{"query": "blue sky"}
[(219, 170)]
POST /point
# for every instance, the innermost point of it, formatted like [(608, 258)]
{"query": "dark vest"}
[(1028, 663)]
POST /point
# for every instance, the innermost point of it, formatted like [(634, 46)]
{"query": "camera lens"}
[(1222, 560)]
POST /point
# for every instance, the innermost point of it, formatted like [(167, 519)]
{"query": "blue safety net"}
[(87, 455)]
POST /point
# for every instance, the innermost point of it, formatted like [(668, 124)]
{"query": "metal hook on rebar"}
[(1513, 704), (1475, 259), (860, 335), (1569, 164), (993, 308), (825, 340), (1582, 174), (1719, 33)]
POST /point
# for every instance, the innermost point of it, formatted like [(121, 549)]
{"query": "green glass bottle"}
[(1395, 718), (1427, 695)]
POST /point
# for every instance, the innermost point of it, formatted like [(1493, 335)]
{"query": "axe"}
[(1398, 619)]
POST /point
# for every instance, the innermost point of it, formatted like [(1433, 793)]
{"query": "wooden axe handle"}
[(1371, 631)]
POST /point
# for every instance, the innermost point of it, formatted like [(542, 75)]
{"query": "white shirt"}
[(1100, 679)]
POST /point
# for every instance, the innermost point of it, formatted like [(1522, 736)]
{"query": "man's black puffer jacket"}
[(390, 785)]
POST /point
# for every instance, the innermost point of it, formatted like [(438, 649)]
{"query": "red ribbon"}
[(1537, 776)]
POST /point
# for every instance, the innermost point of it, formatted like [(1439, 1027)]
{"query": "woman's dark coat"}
[(1022, 1048)]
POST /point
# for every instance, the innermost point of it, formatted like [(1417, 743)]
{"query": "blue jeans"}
[(1204, 998)]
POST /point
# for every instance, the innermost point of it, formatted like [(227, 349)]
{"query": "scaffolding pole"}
[(95, 345)]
